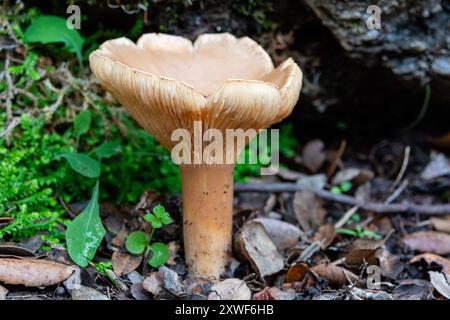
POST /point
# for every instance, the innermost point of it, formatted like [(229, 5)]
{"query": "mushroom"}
[(166, 83)]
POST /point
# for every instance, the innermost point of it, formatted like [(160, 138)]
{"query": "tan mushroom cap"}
[(166, 82)]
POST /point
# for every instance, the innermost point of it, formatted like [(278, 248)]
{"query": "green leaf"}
[(108, 149), (154, 221), (136, 242), (162, 215), (336, 190), (52, 29), (160, 254), (85, 232), (346, 186), (82, 123), (83, 164)]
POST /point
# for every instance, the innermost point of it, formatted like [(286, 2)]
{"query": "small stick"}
[(437, 209)]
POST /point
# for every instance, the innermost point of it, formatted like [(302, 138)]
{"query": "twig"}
[(345, 217), (397, 192), (436, 209), (402, 170)]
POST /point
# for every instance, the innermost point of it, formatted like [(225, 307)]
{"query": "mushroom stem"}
[(207, 217)]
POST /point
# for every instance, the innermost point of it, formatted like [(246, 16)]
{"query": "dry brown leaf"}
[(308, 210), (441, 282), (439, 166), (391, 265), (335, 275), (254, 244), (430, 258), (325, 235), (264, 294), (362, 251), (428, 241), (153, 283), (296, 272), (355, 175), (3, 293), (124, 263), (230, 289), (33, 272), (284, 235), (441, 224), (313, 155)]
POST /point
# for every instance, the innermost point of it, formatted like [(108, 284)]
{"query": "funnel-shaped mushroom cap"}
[(166, 82)]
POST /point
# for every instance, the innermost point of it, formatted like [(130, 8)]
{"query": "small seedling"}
[(344, 187), (138, 242), (358, 231)]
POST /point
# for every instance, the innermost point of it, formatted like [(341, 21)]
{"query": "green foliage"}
[(28, 180), (82, 123), (287, 146), (51, 29), (85, 232), (357, 231), (83, 164), (137, 242), (344, 187), (159, 217)]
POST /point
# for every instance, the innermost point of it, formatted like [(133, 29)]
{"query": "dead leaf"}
[(278, 294), (172, 281), (308, 210), (255, 245), (81, 292), (325, 235), (16, 251), (153, 283), (362, 251), (174, 247), (124, 263), (120, 238), (355, 175), (441, 282), (428, 241), (197, 287), (296, 272), (391, 265), (438, 166), (137, 292), (413, 289), (313, 155), (284, 235), (441, 224), (230, 289), (3, 293), (430, 258), (264, 294), (33, 272), (336, 276)]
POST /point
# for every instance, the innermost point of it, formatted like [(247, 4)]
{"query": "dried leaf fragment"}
[(124, 263), (335, 275), (430, 258), (230, 289), (428, 241), (441, 282), (255, 245), (33, 272)]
